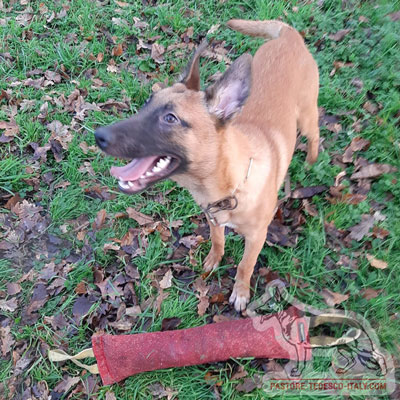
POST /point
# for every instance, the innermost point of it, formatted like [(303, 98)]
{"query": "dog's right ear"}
[(191, 75), (226, 97)]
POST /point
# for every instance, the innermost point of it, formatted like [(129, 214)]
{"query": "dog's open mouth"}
[(143, 172)]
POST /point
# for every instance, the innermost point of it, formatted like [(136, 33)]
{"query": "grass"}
[(67, 43)]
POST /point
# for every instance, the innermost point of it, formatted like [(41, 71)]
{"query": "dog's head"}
[(166, 136)]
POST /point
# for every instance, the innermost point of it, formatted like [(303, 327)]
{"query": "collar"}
[(227, 203)]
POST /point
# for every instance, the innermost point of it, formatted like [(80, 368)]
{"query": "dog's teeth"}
[(163, 163), (131, 184), (156, 169), (124, 185), (148, 173)]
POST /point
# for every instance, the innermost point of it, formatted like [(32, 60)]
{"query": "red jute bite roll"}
[(262, 337)]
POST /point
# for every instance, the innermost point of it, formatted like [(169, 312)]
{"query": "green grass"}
[(67, 43)]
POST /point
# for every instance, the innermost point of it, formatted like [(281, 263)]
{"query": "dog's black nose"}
[(103, 137)]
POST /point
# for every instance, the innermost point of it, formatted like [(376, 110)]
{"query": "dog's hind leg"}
[(308, 124), (217, 235)]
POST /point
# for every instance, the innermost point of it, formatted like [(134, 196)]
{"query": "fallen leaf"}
[(249, 384), (160, 298), (100, 218), (357, 144), (349, 198), (357, 232), (370, 107), (373, 171), (133, 311), (157, 50), (376, 263), (66, 384), (333, 298), (11, 128), (239, 374), (121, 4), (6, 339), (13, 288), (394, 16), (169, 324), (110, 395), (141, 219), (337, 65), (191, 241), (166, 281), (217, 298), (200, 286), (80, 288), (117, 50), (380, 233), (306, 192), (81, 307), (339, 35), (369, 293)]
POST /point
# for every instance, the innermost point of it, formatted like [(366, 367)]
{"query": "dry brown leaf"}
[(376, 263), (81, 288), (373, 171), (157, 50), (159, 300), (166, 281), (357, 232), (13, 288), (370, 107), (369, 293), (117, 50), (333, 298), (141, 219), (380, 233), (100, 219), (200, 286), (357, 144), (7, 340), (11, 128), (110, 246), (122, 4), (337, 65), (133, 311), (394, 16), (339, 35)]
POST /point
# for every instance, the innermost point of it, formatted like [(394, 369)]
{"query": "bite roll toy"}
[(282, 335)]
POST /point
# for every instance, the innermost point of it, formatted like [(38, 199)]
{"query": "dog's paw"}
[(212, 260), (240, 296)]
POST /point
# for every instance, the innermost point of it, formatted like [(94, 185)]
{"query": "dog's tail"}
[(269, 29)]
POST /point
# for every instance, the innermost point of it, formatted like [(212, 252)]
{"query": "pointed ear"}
[(191, 75), (226, 97)]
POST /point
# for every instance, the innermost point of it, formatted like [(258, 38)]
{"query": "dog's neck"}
[(225, 172)]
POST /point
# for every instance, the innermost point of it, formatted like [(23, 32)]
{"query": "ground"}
[(79, 257)]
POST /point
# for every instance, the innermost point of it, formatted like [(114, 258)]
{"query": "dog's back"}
[(284, 90)]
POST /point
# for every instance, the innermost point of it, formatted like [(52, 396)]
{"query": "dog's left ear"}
[(191, 75), (230, 92)]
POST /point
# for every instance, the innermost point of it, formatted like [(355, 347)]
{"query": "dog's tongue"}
[(134, 170)]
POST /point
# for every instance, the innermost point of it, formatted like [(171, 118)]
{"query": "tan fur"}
[(283, 97)]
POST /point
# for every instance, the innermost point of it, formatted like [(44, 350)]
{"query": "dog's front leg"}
[(217, 235), (241, 290)]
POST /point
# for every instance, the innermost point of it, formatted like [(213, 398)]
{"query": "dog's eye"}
[(170, 118)]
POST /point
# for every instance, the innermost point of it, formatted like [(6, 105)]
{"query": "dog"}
[(230, 144)]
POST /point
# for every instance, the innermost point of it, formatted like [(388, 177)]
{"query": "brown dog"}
[(231, 144)]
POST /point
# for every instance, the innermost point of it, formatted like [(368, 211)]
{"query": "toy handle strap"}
[(60, 355), (328, 341)]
